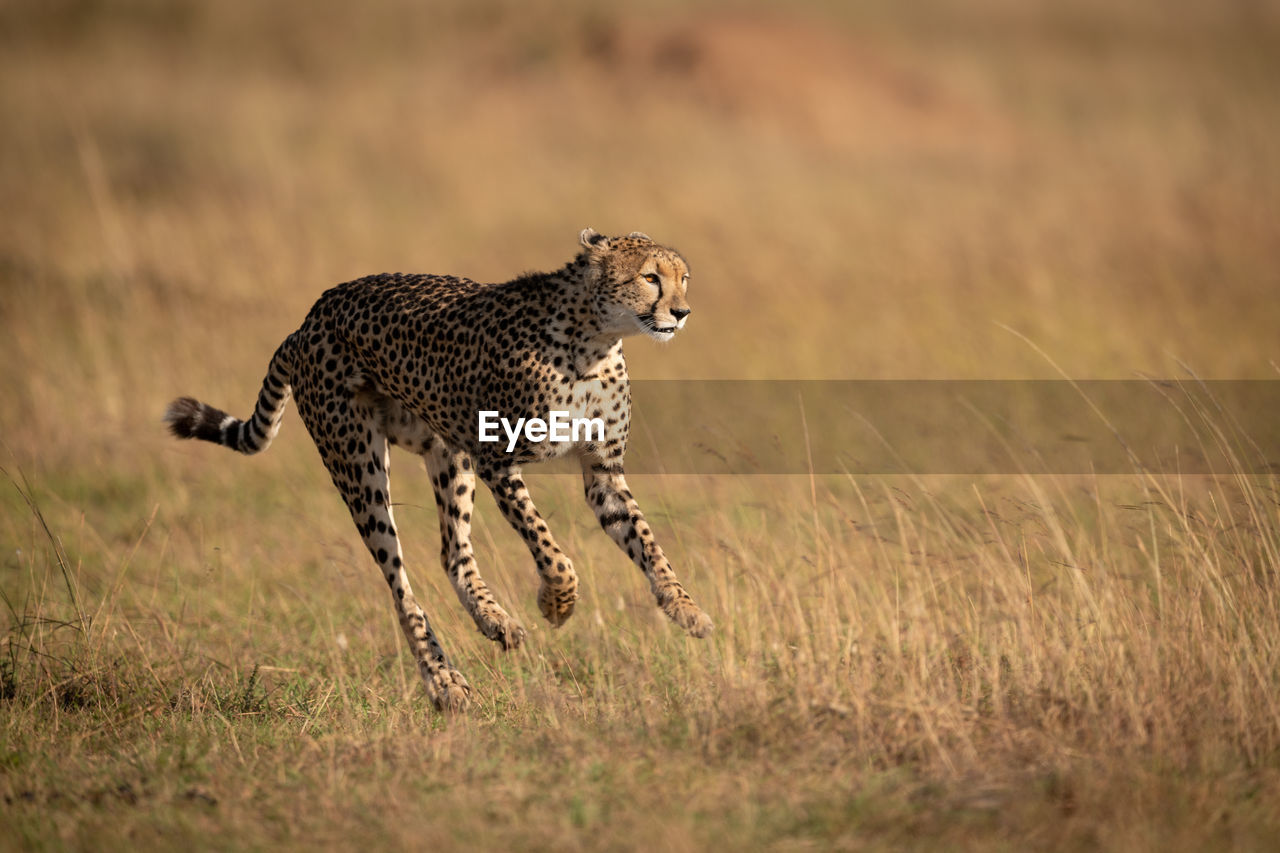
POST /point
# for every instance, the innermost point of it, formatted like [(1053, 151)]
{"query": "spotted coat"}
[(410, 360)]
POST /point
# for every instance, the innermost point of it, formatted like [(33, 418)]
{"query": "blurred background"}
[(864, 190), (936, 189)]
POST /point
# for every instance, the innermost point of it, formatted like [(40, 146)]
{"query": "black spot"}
[(612, 518)]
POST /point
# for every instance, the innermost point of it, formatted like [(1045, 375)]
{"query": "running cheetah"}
[(412, 360)]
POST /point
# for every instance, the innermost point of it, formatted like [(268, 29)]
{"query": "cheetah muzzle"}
[(410, 360)]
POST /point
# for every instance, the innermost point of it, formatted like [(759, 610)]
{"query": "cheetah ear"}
[(640, 235), (590, 239)]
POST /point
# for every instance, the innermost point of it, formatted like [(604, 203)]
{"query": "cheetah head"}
[(638, 286)]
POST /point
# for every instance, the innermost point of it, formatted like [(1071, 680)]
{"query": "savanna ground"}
[(195, 650)]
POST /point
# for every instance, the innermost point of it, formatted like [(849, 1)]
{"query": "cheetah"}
[(410, 361)]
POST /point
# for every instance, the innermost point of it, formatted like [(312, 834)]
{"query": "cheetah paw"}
[(698, 624), (681, 610), (509, 633), (497, 624), (693, 620), (557, 604), (449, 691)]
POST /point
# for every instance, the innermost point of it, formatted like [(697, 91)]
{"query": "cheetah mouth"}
[(653, 330)]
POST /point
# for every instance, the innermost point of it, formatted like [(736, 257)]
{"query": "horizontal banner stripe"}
[(953, 427)]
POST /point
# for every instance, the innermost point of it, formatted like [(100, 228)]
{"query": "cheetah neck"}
[(572, 322), (574, 319)]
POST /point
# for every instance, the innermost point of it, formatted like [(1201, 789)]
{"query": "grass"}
[(1102, 659), (194, 650)]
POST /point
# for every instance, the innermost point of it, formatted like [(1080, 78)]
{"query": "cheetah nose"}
[(680, 313)]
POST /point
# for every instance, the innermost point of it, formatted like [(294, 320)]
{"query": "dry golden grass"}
[(195, 651)]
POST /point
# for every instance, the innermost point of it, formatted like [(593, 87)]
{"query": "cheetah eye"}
[(651, 278)]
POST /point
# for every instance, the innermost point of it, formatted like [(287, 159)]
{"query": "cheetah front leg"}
[(620, 516), (453, 479), (559, 589)]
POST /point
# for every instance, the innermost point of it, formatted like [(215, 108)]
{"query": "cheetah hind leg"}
[(453, 483), (453, 480), (364, 482), (446, 686)]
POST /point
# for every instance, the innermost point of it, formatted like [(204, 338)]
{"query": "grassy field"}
[(194, 650)]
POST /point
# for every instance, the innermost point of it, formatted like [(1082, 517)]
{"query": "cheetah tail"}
[(189, 418)]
